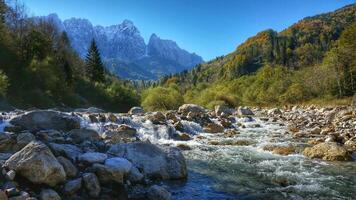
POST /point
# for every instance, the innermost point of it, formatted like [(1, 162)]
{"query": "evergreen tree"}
[(94, 65)]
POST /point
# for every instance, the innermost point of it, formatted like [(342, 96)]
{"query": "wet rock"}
[(274, 111), (6, 142), (49, 194), (221, 110), (81, 135), (231, 133), (171, 115), (89, 110), (46, 119), (112, 117), (283, 150), (93, 157), (179, 126), (135, 176), (123, 133), (21, 196), (192, 108), (231, 142), (67, 150), (70, 169), (156, 192), (136, 111), (37, 163), (91, 184), (50, 135), (213, 128), (328, 151), (244, 111), (93, 118), (315, 131), (153, 161), (157, 118), (183, 147), (24, 138), (72, 186), (353, 103)]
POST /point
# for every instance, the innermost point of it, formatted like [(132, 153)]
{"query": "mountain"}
[(125, 50), (303, 44), (313, 60)]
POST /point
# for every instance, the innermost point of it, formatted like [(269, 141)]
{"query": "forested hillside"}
[(40, 69), (312, 59)]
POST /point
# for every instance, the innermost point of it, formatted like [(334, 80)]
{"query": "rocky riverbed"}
[(191, 153)]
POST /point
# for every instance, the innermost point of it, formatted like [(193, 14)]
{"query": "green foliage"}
[(162, 98), (94, 65)]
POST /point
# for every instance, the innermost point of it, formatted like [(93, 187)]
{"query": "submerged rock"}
[(244, 111), (123, 133), (37, 163), (328, 151), (156, 192), (153, 161), (46, 119)]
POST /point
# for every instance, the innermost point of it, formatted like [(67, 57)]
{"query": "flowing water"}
[(247, 172)]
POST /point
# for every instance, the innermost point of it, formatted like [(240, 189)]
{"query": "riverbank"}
[(191, 153)]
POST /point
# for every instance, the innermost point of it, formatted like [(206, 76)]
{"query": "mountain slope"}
[(124, 48), (302, 44)]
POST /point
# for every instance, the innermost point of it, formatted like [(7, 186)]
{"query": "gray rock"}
[(158, 193), (73, 186), (49, 194), (67, 150), (91, 184), (121, 134), (157, 117), (10, 175), (68, 167), (244, 111), (37, 163), (136, 111), (3, 195), (223, 110), (46, 119), (190, 108), (153, 161), (118, 164), (7, 143), (82, 135), (93, 157), (24, 138), (274, 111), (135, 176)]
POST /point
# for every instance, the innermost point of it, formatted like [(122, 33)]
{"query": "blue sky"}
[(208, 27)]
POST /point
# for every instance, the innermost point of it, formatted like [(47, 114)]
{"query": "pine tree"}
[(94, 65)]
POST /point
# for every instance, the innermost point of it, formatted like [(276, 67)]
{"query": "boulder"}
[(70, 169), (49, 194), (351, 144), (91, 184), (6, 142), (50, 135), (24, 138), (122, 133), (156, 192), (3, 195), (213, 128), (89, 110), (274, 111), (46, 119), (72, 186), (93, 157), (153, 161), (221, 110), (115, 169), (328, 151), (81, 135), (67, 150), (37, 163), (135, 176), (192, 108), (136, 111), (244, 111), (157, 118)]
